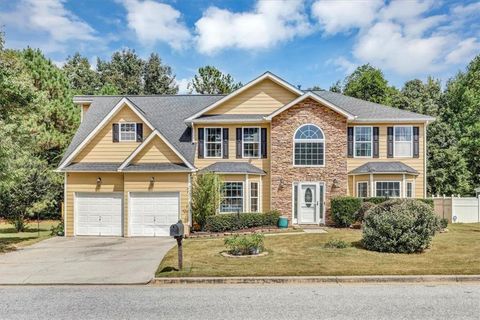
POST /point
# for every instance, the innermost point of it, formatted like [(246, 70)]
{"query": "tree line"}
[(38, 118)]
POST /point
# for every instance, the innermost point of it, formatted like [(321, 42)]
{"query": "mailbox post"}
[(177, 231)]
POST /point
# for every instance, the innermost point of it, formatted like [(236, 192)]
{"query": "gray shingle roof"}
[(384, 167), (233, 167), (156, 167), (166, 113), (366, 111), (93, 166)]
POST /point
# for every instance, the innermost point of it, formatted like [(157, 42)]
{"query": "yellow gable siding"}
[(102, 149), (415, 163), (156, 151), (263, 98)]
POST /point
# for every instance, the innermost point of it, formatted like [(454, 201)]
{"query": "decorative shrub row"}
[(238, 221), (378, 200), (400, 226)]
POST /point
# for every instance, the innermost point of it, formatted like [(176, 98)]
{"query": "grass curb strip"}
[(320, 279)]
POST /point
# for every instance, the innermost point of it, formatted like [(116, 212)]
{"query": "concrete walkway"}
[(87, 260)]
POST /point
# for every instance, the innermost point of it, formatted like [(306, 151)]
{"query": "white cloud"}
[(343, 64), (49, 16), (339, 16), (270, 23), (183, 85), (465, 51), (402, 36), (157, 22)]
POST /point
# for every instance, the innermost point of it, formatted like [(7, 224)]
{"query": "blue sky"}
[(311, 42)]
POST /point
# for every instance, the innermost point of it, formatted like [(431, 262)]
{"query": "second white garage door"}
[(151, 214)]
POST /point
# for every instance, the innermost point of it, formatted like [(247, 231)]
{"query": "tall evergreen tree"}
[(158, 78), (210, 80), (420, 97), (124, 71), (82, 78)]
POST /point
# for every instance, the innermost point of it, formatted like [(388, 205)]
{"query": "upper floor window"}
[(128, 132), (213, 142), (363, 141), (309, 146), (251, 142), (403, 141)]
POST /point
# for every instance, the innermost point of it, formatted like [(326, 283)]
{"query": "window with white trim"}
[(254, 197), (309, 146), (128, 131), (390, 189), (409, 191), (362, 189), (232, 197), (363, 141), (251, 142), (213, 142), (403, 141)]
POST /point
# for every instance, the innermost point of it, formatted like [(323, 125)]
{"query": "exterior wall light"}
[(152, 179), (99, 181), (335, 183)]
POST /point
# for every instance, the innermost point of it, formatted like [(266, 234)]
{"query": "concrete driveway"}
[(85, 261)]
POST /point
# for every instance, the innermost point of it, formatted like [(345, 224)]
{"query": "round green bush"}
[(399, 226)]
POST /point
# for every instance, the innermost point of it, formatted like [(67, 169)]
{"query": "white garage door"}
[(98, 214), (151, 214)]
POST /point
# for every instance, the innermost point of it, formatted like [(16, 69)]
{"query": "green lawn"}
[(453, 252), (10, 239)]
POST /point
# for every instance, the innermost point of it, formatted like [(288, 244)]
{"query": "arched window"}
[(309, 146)]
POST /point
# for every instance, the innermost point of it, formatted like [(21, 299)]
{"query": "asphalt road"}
[(456, 301)]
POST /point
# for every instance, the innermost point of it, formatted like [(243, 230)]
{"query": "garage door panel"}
[(99, 214), (151, 214)]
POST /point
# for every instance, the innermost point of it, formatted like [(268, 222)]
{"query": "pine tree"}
[(158, 78), (210, 80), (82, 78)]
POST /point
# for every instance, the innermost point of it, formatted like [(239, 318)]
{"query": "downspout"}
[(65, 205), (190, 220)]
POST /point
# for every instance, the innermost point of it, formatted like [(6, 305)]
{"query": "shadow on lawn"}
[(8, 244), (12, 230), (168, 269)]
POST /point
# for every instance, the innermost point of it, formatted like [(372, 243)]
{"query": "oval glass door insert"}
[(308, 197)]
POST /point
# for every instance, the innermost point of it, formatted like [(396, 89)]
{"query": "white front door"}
[(152, 213), (310, 203), (98, 214)]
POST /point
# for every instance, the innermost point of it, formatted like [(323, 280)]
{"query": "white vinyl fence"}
[(458, 209)]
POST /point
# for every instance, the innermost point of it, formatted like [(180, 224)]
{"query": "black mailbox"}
[(176, 230)]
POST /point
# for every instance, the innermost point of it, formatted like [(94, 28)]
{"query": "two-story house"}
[(130, 166)]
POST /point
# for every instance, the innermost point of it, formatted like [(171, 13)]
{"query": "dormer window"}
[(128, 131)]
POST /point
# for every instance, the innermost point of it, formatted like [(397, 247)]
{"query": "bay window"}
[(232, 197), (362, 189), (254, 197), (389, 189)]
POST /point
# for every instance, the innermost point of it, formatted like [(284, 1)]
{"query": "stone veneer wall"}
[(283, 173)]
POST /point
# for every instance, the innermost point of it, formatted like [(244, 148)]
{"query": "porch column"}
[(371, 186), (404, 186)]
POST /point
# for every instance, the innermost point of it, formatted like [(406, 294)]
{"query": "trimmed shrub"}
[(399, 226), (238, 221), (336, 244), (378, 200), (245, 245), (442, 224), (360, 214), (344, 209)]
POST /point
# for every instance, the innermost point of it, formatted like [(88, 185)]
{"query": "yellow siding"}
[(164, 182), (263, 98), (415, 163), (87, 182), (263, 164), (156, 151), (102, 149)]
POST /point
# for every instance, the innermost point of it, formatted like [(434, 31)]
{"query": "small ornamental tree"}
[(206, 197), (399, 226)]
